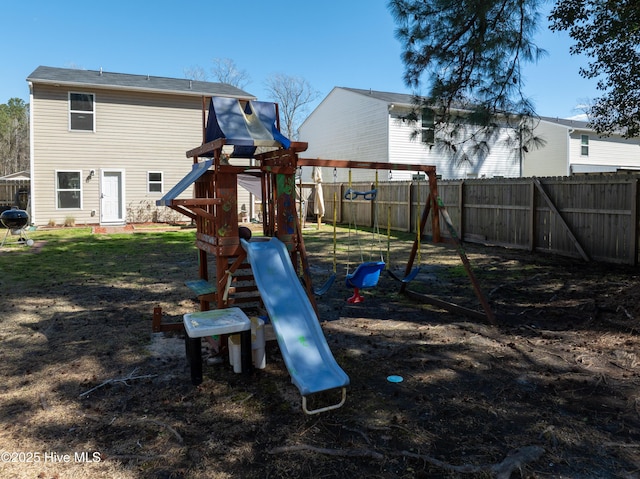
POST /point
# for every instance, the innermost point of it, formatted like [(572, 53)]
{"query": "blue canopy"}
[(244, 124)]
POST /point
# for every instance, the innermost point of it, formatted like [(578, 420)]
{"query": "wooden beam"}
[(367, 165), (532, 217), (454, 308), (183, 211), (418, 238), (553, 208), (207, 149), (633, 248), (196, 201), (467, 265)]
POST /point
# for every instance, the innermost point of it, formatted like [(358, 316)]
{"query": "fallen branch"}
[(129, 377), (169, 428), (502, 470), (328, 452), (516, 460), (627, 313), (512, 283)]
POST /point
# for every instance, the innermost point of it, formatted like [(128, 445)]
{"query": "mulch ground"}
[(551, 391)]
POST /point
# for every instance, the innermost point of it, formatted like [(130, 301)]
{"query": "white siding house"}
[(366, 125), (572, 147), (106, 146)]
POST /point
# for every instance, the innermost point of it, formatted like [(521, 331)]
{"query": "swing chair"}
[(366, 274), (411, 275)]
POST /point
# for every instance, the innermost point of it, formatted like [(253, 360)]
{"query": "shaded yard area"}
[(552, 391)]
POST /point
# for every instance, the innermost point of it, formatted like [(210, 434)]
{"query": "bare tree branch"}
[(293, 95)]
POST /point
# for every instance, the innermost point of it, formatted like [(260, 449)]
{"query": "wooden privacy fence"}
[(589, 217), (14, 193)]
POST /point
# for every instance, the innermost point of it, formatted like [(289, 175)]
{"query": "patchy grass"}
[(558, 377)]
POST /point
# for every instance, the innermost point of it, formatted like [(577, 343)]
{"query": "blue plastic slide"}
[(305, 351)]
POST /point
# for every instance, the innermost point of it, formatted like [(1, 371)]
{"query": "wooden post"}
[(467, 266), (156, 324), (532, 217), (633, 247), (433, 201)]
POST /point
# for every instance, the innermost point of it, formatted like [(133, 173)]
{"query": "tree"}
[(293, 95), (608, 32), (225, 71), (470, 54), (14, 136), (196, 73)]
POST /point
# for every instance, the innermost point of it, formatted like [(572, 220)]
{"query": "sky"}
[(329, 43)]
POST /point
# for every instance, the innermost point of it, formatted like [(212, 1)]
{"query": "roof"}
[(18, 176), (396, 98), (576, 124), (147, 83), (408, 100)]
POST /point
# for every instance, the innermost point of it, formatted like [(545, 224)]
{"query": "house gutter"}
[(32, 189)]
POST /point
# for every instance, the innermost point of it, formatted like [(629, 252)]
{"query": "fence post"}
[(532, 215), (410, 209), (461, 210), (633, 253)]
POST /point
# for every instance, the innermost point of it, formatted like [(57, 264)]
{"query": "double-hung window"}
[(428, 126), (68, 189), (82, 115), (584, 145), (154, 181)]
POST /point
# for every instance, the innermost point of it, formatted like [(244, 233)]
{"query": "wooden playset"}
[(242, 139)]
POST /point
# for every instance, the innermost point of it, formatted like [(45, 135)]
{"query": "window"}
[(68, 189), (154, 182), (584, 145), (81, 111), (428, 126)]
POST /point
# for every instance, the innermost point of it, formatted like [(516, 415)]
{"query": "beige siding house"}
[(106, 146)]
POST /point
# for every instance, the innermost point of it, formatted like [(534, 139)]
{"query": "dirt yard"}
[(551, 391)]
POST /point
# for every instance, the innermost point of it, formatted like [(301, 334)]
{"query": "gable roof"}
[(408, 100), (396, 98), (18, 176), (146, 83), (572, 124)]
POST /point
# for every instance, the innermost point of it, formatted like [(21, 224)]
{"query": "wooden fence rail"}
[(14, 193), (589, 217)]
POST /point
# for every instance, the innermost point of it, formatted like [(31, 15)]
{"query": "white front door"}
[(111, 198)]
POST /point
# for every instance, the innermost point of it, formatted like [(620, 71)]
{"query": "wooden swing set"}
[(213, 209)]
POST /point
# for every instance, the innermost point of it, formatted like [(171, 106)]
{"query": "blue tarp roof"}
[(244, 124)]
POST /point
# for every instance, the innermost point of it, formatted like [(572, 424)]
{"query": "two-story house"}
[(106, 146), (367, 125), (572, 147)]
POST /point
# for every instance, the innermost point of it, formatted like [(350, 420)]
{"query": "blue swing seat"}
[(325, 287), (408, 278), (366, 275)]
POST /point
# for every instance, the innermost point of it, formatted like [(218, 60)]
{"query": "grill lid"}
[(14, 218)]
